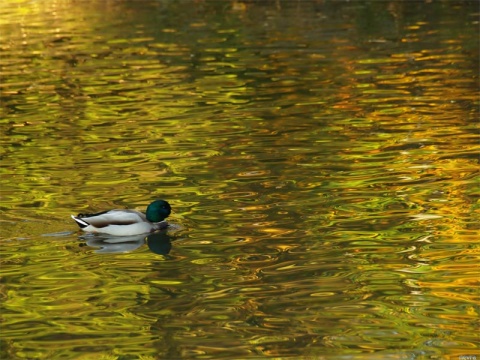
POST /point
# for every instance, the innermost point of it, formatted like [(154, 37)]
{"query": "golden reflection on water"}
[(322, 171)]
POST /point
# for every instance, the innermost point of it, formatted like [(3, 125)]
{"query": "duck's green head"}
[(158, 211)]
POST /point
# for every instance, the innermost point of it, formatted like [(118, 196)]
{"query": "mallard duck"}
[(126, 222)]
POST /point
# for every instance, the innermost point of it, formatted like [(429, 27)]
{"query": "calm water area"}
[(321, 159)]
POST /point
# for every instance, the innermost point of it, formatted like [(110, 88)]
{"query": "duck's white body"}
[(118, 223)]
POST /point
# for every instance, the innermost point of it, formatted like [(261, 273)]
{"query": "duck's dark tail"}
[(80, 222)]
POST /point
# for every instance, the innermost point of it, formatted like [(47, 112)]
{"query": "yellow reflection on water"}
[(322, 172)]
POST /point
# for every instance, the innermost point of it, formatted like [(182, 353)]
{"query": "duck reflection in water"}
[(158, 242)]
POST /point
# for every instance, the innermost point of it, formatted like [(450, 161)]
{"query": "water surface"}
[(321, 159)]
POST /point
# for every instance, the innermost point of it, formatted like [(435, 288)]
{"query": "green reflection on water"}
[(322, 172)]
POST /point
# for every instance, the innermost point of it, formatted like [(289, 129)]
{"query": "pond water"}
[(321, 159)]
